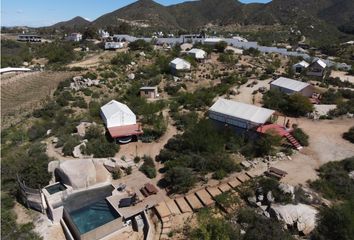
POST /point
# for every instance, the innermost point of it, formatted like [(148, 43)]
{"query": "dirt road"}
[(326, 144)]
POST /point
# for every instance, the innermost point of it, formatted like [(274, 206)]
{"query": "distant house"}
[(179, 64), (317, 68), (149, 92), (198, 54), (75, 37), (113, 45), (29, 38), (103, 33), (240, 115), (300, 66), (120, 120), (289, 86), (212, 41)]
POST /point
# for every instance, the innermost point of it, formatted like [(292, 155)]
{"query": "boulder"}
[(286, 188), (131, 76), (82, 173), (302, 216)]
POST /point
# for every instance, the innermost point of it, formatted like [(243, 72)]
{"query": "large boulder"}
[(302, 216), (82, 173)]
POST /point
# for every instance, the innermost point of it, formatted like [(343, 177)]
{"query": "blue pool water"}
[(93, 216)]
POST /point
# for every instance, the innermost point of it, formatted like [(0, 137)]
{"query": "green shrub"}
[(101, 148), (148, 167), (219, 174), (180, 179), (117, 173), (301, 136), (70, 143), (349, 135)]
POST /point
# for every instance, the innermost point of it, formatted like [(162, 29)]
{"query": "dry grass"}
[(23, 93)]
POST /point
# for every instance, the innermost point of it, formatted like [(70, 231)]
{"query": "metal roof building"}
[(288, 86), (239, 114)]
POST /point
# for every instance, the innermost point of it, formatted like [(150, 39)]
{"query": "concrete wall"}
[(103, 230)]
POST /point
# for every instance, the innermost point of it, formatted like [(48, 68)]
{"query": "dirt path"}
[(96, 59), (326, 144), (245, 93), (343, 76)]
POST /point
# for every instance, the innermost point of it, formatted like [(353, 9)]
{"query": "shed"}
[(300, 66), (289, 86), (149, 92), (180, 64), (198, 54), (317, 68), (239, 114)]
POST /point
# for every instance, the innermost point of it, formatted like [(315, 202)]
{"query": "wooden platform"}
[(183, 205), (162, 210), (205, 198), (243, 178), (224, 187), (193, 201), (173, 207), (213, 191), (235, 183)]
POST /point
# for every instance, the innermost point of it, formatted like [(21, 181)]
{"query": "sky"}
[(36, 13)]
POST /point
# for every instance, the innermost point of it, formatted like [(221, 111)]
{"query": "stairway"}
[(293, 141)]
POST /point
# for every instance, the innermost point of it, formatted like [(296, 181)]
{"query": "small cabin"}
[(149, 92)]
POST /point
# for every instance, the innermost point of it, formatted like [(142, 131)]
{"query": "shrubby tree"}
[(180, 179)]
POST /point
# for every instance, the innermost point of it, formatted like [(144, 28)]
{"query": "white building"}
[(11, 70), (75, 37), (300, 66), (198, 54), (289, 86), (113, 45), (239, 114), (179, 64), (103, 33), (212, 41), (317, 68), (116, 114)]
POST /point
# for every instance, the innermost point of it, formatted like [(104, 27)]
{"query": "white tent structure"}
[(116, 114), (10, 69), (289, 86), (180, 64), (239, 114), (198, 54)]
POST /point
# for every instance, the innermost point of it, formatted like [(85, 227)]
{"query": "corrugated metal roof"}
[(290, 84), (242, 111)]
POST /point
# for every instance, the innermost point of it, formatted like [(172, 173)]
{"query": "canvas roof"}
[(242, 111), (290, 84), (196, 50), (178, 61), (114, 107)]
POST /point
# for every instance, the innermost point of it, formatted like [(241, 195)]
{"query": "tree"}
[(101, 148), (220, 46), (140, 45), (349, 135), (336, 222), (180, 179)]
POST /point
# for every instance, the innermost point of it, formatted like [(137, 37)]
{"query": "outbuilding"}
[(179, 64), (198, 54), (120, 120), (300, 66), (317, 68), (240, 115), (290, 86), (149, 92)]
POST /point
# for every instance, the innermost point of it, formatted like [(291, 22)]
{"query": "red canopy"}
[(125, 131)]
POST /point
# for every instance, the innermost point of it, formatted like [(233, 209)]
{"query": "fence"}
[(31, 197)]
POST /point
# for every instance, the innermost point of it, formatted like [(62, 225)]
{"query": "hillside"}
[(144, 12), (75, 23), (316, 19)]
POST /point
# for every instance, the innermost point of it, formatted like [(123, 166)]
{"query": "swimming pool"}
[(58, 187), (93, 216)]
